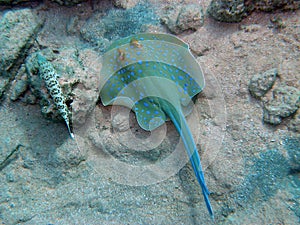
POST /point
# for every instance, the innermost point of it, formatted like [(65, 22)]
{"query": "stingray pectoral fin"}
[(181, 125), (149, 115)]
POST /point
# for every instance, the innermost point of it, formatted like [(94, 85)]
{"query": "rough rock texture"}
[(295, 122), (3, 84), (93, 32), (261, 83), (227, 10), (125, 4), (60, 2), (17, 31), (285, 101), (68, 2), (12, 2), (180, 18), (236, 10), (20, 84), (270, 5), (126, 22)]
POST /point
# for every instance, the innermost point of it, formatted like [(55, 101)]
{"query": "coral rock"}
[(181, 18), (227, 10), (285, 102), (261, 83), (125, 4)]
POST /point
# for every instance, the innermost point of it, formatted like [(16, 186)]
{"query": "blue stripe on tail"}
[(191, 149)]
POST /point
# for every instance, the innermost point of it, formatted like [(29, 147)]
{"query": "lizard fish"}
[(49, 75)]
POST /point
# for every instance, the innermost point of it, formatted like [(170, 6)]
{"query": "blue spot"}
[(173, 78), (146, 104), (132, 73), (138, 53), (156, 112), (148, 112), (180, 77), (140, 71), (140, 62)]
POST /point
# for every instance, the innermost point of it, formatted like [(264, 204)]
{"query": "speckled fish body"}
[(49, 75), (156, 76)]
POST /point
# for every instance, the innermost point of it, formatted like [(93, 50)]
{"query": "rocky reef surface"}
[(246, 122), (236, 10)]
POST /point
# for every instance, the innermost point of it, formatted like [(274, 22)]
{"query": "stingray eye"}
[(121, 54), (135, 43)]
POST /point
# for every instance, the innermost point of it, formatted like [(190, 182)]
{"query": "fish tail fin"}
[(69, 129), (190, 146)]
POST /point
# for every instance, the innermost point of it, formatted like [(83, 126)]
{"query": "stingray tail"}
[(181, 125)]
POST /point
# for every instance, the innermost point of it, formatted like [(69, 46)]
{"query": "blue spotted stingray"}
[(156, 76)]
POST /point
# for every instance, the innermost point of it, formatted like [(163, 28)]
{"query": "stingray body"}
[(156, 76)]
